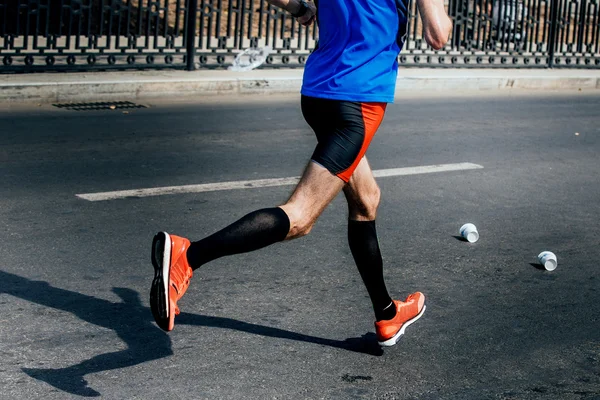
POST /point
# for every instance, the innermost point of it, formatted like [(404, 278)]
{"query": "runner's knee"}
[(301, 222), (300, 229), (365, 205)]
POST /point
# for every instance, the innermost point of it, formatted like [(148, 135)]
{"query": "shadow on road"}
[(366, 344), (460, 238), (129, 319), (538, 266), (133, 323)]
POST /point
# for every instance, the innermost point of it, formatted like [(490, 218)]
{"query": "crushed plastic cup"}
[(548, 260), (469, 232), (250, 59)]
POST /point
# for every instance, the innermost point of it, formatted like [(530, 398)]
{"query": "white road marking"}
[(426, 169), (259, 183)]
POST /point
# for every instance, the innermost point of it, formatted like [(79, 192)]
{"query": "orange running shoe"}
[(407, 312), (172, 275)]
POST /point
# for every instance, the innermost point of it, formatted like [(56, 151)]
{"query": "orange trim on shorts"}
[(372, 114)]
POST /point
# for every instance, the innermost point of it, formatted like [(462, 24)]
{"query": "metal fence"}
[(75, 35)]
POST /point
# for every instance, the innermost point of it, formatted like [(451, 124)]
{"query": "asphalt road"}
[(293, 320)]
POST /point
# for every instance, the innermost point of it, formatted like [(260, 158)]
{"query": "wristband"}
[(302, 10)]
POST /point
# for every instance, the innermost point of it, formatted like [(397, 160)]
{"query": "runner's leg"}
[(295, 218), (316, 189), (362, 194), (344, 131)]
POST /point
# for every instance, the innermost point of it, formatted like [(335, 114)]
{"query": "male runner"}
[(348, 80)]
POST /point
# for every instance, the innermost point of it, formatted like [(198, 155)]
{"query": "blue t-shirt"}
[(356, 58)]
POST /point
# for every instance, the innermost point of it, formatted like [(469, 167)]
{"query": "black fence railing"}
[(72, 35)]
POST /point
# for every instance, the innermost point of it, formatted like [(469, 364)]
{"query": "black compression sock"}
[(362, 238), (387, 313), (252, 232)]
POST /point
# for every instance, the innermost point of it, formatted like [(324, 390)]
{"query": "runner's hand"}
[(310, 15)]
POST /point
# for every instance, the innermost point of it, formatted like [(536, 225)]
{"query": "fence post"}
[(582, 17), (553, 32), (190, 33)]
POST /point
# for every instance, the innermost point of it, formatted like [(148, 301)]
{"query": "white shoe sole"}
[(159, 293), (394, 339), (166, 268)]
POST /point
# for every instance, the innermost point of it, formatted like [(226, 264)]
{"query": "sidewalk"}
[(135, 85)]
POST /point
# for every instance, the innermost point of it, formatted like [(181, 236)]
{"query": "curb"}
[(112, 86), (492, 83), (57, 92)]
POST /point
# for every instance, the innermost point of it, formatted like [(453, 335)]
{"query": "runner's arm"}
[(293, 6), (436, 23)]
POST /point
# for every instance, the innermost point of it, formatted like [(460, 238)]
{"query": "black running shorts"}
[(344, 131)]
